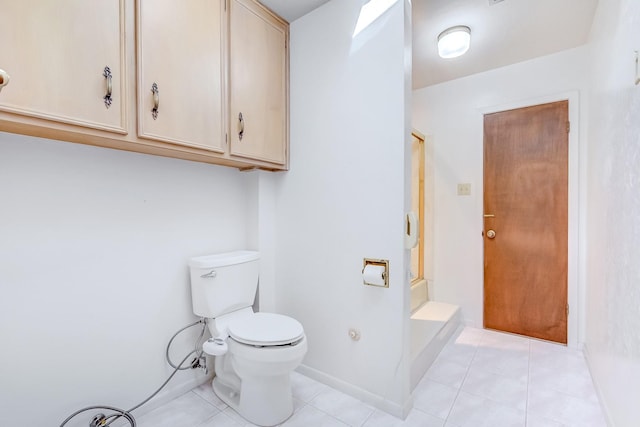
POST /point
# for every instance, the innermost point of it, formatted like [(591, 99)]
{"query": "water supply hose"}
[(198, 346), (101, 420)]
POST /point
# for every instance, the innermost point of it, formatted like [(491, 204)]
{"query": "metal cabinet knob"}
[(491, 234), (240, 126), (109, 86), (156, 101)]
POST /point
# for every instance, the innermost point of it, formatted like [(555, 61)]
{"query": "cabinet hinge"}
[(568, 127), (567, 309), (226, 138)]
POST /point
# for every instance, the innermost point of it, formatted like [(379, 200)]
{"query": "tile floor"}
[(481, 378)]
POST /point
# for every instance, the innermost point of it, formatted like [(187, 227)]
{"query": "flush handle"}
[(210, 275)]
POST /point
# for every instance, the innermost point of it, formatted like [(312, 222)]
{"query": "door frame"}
[(418, 285), (575, 320)]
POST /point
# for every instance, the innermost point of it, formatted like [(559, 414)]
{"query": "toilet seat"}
[(265, 329)]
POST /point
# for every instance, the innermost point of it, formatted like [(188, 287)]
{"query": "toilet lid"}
[(265, 329)]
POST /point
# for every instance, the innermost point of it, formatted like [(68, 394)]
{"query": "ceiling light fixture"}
[(454, 41)]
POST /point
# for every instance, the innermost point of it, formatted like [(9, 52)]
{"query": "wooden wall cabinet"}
[(180, 66), (62, 57), (206, 60), (258, 64)]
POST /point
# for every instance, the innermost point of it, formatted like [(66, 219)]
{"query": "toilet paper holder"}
[(380, 263)]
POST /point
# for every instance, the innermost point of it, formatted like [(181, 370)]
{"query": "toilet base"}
[(264, 403)]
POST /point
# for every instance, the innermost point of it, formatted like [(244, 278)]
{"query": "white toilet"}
[(255, 352)]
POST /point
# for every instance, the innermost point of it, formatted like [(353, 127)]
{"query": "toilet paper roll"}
[(373, 274)]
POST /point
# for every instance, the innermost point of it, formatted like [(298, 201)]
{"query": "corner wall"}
[(344, 199), (451, 114), (613, 285), (94, 245)]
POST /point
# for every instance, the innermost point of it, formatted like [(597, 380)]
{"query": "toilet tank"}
[(223, 283)]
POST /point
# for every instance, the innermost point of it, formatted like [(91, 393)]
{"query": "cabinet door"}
[(180, 51), (258, 83), (56, 52)]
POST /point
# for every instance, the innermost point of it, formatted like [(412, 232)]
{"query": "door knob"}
[(491, 234)]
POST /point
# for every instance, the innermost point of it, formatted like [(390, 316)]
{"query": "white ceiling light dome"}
[(454, 41)]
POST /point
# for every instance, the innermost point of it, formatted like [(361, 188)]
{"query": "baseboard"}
[(603, 403), (167, 395), (470, 323), (379, 402)]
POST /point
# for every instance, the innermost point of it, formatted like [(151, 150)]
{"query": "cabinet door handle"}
[(4, 78), (156, 101), (108, 78), (240, 126)]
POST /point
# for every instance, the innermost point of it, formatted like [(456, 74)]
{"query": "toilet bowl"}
[(253, 377), (254, 352)]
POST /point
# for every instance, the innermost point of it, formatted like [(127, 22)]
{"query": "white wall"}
[(94, 245), (344, 199), (262, 234), (451, 114), (613, 285)]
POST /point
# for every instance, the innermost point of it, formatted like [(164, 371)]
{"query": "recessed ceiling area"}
[(503, 32)]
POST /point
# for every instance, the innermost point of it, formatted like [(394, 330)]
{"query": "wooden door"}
[(525, 205), (258, 83), (56, 54), (180, 50)]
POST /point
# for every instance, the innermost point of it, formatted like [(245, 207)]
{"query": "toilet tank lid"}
[(221, 260)]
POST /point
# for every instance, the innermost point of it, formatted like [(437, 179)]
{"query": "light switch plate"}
[(464, 189)]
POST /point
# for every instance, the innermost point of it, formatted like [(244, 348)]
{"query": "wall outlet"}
[(464, 189)]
